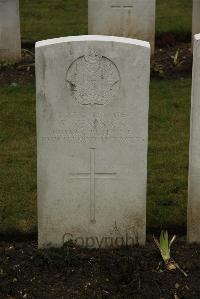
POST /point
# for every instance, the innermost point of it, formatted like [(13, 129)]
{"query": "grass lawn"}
[(167, 161), (18, 159), (54, 18), (168, 152), (174, 16)]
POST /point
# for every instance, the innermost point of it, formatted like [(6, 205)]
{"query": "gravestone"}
[(127, 18), (193, 221), (196, 17), (10, 43), (92, 134)]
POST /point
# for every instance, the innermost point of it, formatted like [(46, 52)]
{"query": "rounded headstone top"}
[(94, 38)]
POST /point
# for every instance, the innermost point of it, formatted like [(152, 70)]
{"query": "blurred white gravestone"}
[(10, 43), (193, 221), (127, 18), (92, 134), (196, 17)]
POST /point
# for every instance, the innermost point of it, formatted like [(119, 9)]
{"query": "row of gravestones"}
[(128, 18), (92, 132)]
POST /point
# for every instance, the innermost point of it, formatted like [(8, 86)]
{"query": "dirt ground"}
[(172, 62), (169, 61), (19, 73), (72, 272)]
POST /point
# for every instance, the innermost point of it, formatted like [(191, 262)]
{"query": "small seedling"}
[(164, 246), (176, 58)]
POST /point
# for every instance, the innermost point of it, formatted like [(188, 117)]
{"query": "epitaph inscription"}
[(73, 127), (93, 79)]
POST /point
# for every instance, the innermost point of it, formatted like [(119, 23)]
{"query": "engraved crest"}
[(93, 79)]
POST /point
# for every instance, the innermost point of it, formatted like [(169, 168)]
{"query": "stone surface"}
[(193, 220), (127, 18), (196, 17), (92, 134), (10, 43)]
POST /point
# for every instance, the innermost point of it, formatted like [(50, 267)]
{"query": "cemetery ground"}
[(73, 272), (50, 18)]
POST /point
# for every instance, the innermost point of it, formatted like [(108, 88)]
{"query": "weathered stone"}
[(193, 220), (196, 17), (10, 43), (127, 18), (92, 134)]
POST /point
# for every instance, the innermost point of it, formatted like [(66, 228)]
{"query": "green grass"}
[(18, 159), (167, 161), (174, 16), (54, 18), (168, 152)]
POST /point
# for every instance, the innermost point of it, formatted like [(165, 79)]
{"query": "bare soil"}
[(172, 62), (19, 73), (72, 272), (169, 61)]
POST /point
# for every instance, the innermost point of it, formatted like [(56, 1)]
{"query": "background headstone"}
[(193, 220), (196, 18), (10, 43), (92, 132), (128, 18)]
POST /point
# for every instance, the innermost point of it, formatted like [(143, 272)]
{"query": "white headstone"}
[(193, 220), (127, 18), (92, 134), (10, 43), (196, 17)]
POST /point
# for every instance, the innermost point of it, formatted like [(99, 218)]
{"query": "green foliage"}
[(164, 246)]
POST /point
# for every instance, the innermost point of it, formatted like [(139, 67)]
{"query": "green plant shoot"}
[(164, 246)]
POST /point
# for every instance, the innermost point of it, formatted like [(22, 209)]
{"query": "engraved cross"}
[(92, 176), (125, 14)]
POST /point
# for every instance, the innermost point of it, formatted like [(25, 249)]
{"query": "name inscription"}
[(76, 128)]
